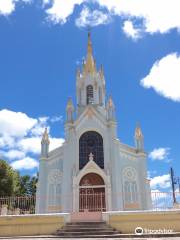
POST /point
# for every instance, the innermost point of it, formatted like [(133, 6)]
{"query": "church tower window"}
[(90, 94), (91, 142)]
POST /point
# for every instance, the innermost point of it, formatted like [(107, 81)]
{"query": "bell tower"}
[(90, 83)]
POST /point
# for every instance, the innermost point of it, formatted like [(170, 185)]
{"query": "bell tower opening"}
[(89, 94)]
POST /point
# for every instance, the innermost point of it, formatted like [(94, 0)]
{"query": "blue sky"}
[(43, 42)]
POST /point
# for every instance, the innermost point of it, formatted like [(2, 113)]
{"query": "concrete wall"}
[(127, 222), (24, 225)]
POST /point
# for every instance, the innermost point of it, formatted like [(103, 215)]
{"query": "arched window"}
[(130, 192), (90, 95), (91, 142)]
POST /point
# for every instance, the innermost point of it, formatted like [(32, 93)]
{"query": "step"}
[(61, 232), (86, 223), (93, 236), (85, 229)]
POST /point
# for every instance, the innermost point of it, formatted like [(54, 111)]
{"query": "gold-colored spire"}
[(110, 103), (101, 71), (45, 137), (70, 104), (138, 132), (90, 65), (78, 73)]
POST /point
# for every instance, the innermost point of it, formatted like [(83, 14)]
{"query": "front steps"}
[(87, 230)]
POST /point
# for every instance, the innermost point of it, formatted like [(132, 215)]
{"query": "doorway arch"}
[(92, 193)]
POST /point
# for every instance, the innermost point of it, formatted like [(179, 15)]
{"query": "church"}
[(93, 170)]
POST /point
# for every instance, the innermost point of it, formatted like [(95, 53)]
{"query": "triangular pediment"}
[(91, 167), (91, 113)]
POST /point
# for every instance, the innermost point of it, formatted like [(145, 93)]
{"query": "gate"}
[(92, 202)]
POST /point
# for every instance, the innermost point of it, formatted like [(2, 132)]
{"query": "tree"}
[(32, 185), (9, 180), (27, 185)]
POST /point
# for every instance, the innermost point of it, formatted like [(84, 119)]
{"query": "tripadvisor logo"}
[(141, 231)]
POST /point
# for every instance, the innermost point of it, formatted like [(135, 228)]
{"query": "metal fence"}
[(91, 202), (17, 205)]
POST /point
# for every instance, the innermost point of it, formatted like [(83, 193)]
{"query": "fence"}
[(88, 201), (17, 205)]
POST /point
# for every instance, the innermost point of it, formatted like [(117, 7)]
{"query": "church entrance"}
[(92, 193)]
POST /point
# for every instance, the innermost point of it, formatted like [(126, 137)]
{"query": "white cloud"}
[(164, 77), (33, 144), (92, 18), (55, 142), (30, 145), (157, 16), (15, 124), (159, 153), (25, 163), (41, 124), (130, 30), (56, 119), (162, 181), (12, 154), (8, 6), (20, 137), (61, 10)]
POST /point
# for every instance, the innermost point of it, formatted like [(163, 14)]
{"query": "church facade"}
[(93, 170)]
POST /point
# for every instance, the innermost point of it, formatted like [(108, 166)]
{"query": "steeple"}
[(69, 110), (90, 83), (90, 65), (45, 137), (110, 109), (139, 139), (45, 144)]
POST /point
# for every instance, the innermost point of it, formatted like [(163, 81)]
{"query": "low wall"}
[(23, 225), (127, 222)]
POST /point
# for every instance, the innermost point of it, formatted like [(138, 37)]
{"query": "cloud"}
[(92, 18), (157, 16), (30, 145), (20, 137), (159, 154), (130, 30), (8, 6), (26, 163), (12, 154), (55, 142), (56, 119), (162, 181), (33, 144), (61, 10), (164, 77), (15, 123)]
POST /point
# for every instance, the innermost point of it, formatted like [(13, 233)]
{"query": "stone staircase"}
[(87, 230)]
